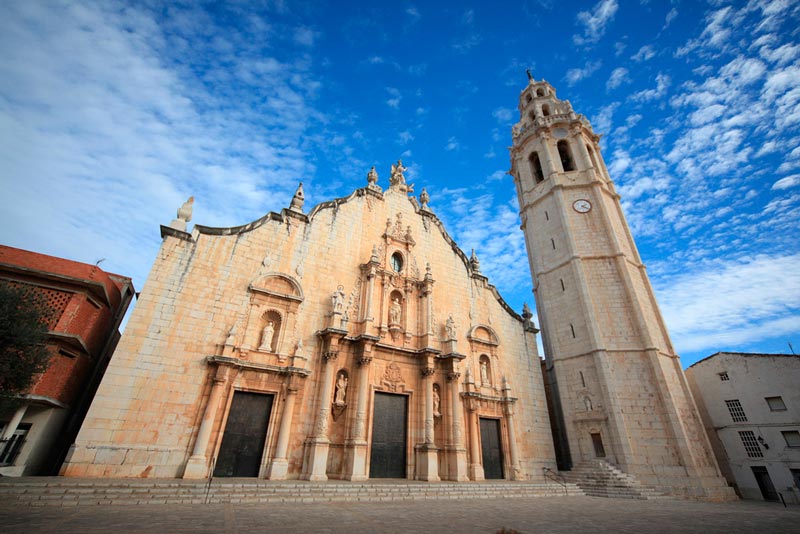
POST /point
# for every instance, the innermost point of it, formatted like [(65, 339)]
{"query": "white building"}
[(750, 405)]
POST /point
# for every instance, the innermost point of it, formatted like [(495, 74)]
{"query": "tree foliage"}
[(23, 333)]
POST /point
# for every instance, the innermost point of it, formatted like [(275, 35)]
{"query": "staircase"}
[(600, 479), (60, 491)]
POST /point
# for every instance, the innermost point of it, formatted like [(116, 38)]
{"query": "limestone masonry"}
[(358, 341)]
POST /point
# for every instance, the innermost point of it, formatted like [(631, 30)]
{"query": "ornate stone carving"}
[(395, 311), (365, 360), (392, 377), (330, 355), (428, 371), (474, 263), (437, 401), (372, 176), (424, 198), (453, 376), (184, 215)]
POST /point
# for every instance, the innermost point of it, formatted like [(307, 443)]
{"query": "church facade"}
[(358, 341)]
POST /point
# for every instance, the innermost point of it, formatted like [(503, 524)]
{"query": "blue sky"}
[(113, 113)]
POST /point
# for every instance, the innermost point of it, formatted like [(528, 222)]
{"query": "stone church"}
[(358, 341)]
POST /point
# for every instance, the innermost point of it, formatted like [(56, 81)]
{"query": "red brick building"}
[(87, 305)]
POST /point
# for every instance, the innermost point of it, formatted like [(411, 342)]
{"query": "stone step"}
[(55, 491)]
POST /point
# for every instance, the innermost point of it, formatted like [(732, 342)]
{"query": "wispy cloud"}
[(573, 76), (662, 84), (645, 53), (617, 78), (594, 22)]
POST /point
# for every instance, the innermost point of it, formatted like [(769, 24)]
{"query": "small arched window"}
[(532, 115), (540, 92), (564, 152), (546, 110), (591, 157), (536, 167), (528, 98)]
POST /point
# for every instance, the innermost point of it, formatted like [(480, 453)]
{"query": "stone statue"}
[(450, 327), (266, 337), (424, 198), (337, 300), (394, 311), (474, 262), (185, 211), (397, 174), (436, 402), (587, 402), (341, 389), (484, 372)]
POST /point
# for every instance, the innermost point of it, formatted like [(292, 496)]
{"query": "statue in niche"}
[(436, 402), (484, 372), (394, 311), (266, 337), (587, 402), (341, 389), (450, 327), (337, 300)]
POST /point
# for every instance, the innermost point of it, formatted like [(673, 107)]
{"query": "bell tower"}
[(621, 395)]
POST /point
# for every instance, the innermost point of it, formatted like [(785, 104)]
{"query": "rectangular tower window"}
[(776, 404), (583, 381), (546, 216), (792, 438), (750, 444), (562, 284), (553, 242), (736, 410), (573, 330), (724, 376)]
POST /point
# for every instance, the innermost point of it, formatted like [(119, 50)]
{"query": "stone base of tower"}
[(675, 481)]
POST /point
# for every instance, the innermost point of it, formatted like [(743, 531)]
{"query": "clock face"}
[(582, 205)]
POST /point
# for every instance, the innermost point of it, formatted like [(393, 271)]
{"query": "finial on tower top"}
[(530, 76), (298, 199)]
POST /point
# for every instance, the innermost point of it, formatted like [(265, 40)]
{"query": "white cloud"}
[(662, 84), (452, 144), (729, 303), (405, 137), (496, 176), (617, 78), (575, 75), (594, 22), (670, 17), (503, 115), (787, 182), (394, 97), (645, 53), (305, 36)]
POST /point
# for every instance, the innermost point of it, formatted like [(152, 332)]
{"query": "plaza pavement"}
[(571, 515)]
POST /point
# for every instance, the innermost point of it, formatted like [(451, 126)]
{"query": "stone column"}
[(427, 453), (317, 466), (197, 466), (356, 455), (12, 425), (475, 466), (508, 408), (280, 463), (458, 454), (578, 138)]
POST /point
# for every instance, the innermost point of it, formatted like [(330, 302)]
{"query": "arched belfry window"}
[(564, 152), (546, 110), (540, 92), (528, 98), (536, 167)]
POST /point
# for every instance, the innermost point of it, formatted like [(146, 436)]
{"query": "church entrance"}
[(491, 452), (245, 432), (387, 458)]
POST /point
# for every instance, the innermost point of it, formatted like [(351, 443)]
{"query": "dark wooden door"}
[(765, 483), (245, 432), (490, 448), (387, 458)]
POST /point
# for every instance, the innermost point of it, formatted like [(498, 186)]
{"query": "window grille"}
[(724, 376), (736, 410), (776, 404), (750, 444)]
